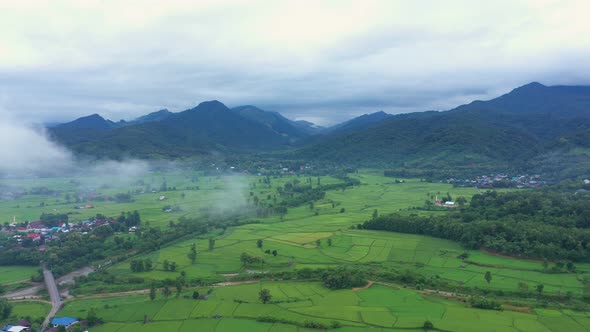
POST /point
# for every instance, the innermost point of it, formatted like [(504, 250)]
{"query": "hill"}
[(515, 130), (154, 116), (272, 120), (204, 129), (93, 121), (362, 122)]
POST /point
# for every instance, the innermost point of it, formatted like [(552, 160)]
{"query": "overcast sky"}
[(324, 61)]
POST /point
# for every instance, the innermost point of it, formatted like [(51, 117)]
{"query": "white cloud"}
[(63, 59)]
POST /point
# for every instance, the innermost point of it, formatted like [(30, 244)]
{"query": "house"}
[(36, 225), (34, 236), (63, 321), (586, 181), (162, 198), (16, 328)]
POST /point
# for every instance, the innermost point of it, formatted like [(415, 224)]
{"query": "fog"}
[(27, 151)]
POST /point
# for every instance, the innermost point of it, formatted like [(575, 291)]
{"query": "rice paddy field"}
[(295, 238), (295, 241), (378, 308)]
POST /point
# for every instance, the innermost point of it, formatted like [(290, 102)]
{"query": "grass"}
[(12, 273), (295, 238), (29, 310), (375, 308)]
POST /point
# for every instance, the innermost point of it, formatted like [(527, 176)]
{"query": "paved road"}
[(31, 292), (53, 294)]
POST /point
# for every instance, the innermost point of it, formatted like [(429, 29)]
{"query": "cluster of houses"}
[(500, 181), (56, 322), (40, 234)]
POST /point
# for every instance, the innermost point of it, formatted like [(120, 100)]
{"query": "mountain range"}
[(525, 125)]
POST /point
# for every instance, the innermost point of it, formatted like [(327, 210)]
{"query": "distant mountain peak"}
[(533, 86), (154, 116), (212, 103), (92, 121), (360, 122)]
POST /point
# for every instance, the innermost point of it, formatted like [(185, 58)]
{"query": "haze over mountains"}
[(530, 121)]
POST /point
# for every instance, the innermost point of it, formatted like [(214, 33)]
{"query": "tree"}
[(427, 325), (523, 288), (545, 264), (211, 243), (166, 291), (179, 283), (173, 266), (318, 242), (92, 318), (329, 242), (264, 295), (153, 292), (166, 265), (192, 256), (540, 288), (311, 205), (136, 265), (5, 308), (195, 295), (148, 265), (375, 214), (461, 201), (275, 253), (259, 243), (488, 277)]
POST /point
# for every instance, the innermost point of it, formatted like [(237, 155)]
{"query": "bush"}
[(484, 303), (342, 277)]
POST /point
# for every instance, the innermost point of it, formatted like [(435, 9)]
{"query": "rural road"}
[(53, 294), (31, 292)]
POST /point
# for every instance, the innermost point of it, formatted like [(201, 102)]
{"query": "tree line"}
[(537, 224)]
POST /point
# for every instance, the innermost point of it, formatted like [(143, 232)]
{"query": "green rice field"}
[(378, 308), (234, 308)]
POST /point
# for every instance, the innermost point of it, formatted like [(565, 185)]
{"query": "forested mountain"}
[(534, 127), (272, 120), (207, 128), (362, 122), (154, 116), (93, 121), (526, 125)]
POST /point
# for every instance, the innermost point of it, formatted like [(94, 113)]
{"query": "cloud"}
[(327, 60), (27, 151)]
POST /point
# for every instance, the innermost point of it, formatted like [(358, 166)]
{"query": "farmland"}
[(378, 307), (321, 235)]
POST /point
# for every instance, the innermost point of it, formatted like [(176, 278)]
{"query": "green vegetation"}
[(451, 286), (14, 273), (541, 224), (307, 304)]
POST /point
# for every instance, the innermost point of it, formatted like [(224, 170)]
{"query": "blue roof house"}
[(63, 321)]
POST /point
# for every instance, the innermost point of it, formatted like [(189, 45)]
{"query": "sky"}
[(322, 61)]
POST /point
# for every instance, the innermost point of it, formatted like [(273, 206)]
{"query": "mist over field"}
[(27, 151)]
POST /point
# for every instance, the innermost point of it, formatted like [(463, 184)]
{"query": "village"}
[(38, 234), (500, 181)]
